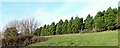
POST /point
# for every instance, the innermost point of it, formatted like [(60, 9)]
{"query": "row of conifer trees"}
[(103, 20)]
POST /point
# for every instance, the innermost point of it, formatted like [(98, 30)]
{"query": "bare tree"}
[(24, 26), (14, 23), (29, 25)]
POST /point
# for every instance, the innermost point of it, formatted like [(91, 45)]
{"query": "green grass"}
[(107, 38)]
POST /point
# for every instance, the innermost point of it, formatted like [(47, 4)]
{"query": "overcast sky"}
[(48, 11)]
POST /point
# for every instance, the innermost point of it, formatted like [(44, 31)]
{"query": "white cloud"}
[(48, 17), (54, 16)]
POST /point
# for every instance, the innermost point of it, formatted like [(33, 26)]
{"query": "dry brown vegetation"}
[(22, 40)]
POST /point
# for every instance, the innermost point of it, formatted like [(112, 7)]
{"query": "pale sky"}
[(48, 11)]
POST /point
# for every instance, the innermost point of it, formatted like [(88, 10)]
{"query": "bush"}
[(18, 41), (98, 30), (38, 39), (111, 28), (22, 40), (87, 31)]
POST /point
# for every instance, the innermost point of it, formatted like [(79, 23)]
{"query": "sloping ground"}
[(107, 38)]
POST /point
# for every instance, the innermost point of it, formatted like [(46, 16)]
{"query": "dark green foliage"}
[(43, 30), (47, 29), (118, 8), (106, 20), (69, 26), (59, 27), (38, 31), (89, 22), (77, 25), (110, 16), (52, 29), (99, 21), (64, 27)]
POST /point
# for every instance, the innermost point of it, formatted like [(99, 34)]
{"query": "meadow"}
[(106, 38)]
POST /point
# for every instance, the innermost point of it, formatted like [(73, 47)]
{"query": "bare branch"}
[(24, 26)]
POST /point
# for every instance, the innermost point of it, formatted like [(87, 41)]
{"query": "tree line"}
[(103, 20)]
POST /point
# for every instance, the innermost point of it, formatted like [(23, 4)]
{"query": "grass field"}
[(107, 38)]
